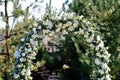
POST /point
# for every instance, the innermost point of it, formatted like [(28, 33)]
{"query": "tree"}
[(14, 27)]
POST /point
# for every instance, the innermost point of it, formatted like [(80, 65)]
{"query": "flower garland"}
[(53, 30)]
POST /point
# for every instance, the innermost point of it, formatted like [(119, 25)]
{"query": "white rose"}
[(101, 44), (101, 71), (90, 39), (97, 61), (22, 40), (28, 72), (104, 66)]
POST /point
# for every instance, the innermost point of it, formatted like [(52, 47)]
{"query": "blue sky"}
[(56, 4)]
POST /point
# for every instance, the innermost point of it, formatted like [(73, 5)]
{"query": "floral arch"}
[(53, 28)]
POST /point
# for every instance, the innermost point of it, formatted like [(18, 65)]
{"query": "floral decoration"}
[(50, 32)]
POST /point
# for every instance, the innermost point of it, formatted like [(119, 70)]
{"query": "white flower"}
[(101, 71), (34, 48), (108, 77), (90, 29), (104, 66), (81, 16), (34, 30), (39, 27), (48, 23), (23, 54), (46, 39), (45, 31), (101, 44), (97, 61), (33, 54), (28, 72), (98, 38), (29, 56), (65, 32), (57, 30), (97, 48), (51, 33), (90, 39), (22, 40), (16, 76), (81, 31), (99, 55), (92, 46), (34, 36), (107, 54), (23, 71), (17, 54), (69, 23), (71, 28), (65, 66), (29, 49), (75, 24), (35, 43), (19, 65), (60, 25), (20, 49), (31, 41), (29, 78), (22, 59)]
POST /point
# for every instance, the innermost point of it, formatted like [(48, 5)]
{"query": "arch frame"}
[(82, 31)]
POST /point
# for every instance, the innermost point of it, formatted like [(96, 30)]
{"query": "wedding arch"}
[(53, 29)]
